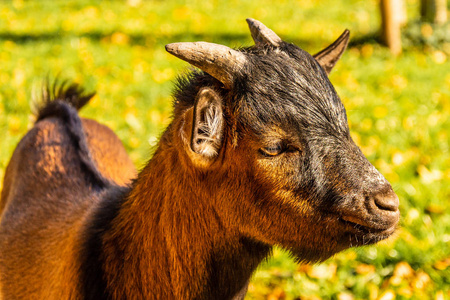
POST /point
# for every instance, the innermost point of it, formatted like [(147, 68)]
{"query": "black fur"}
[(92, 282), (70, 93), (280, 85)]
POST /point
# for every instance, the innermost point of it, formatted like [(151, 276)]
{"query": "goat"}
[(258, 154)]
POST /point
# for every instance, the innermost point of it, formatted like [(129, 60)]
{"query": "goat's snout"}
[(377, 210)]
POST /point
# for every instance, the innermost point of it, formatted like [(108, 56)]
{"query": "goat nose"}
[(388, 202)]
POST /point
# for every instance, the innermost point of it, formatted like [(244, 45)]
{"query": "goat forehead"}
[(290, 63), (291, 90)]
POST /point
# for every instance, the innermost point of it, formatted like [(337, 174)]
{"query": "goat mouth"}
[(361, 226)]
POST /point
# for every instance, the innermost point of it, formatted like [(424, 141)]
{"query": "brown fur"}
[(44, 158), (108, 153)]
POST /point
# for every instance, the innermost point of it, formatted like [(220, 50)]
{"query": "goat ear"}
[(329, 56), (207, 126)]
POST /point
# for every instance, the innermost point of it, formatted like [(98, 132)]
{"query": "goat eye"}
[(272, 150)]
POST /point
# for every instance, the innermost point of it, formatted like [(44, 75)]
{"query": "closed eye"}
[(272, 150), (277, 149)]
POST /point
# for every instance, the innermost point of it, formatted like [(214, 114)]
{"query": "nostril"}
[(387, 202)]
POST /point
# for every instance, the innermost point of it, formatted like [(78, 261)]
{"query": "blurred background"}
[(397, 100)]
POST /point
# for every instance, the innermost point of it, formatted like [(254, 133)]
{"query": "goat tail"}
[(47, 103), (63, 100)]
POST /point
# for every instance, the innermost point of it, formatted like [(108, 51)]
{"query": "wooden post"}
[(392, 17), (434, 11), (400, 12)]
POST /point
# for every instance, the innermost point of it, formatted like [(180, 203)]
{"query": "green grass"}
[(398, 110)]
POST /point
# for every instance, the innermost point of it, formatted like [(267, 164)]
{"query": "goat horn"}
[(262, 35), (221, 62)]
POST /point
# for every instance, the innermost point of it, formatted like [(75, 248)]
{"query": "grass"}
[(398, 110)]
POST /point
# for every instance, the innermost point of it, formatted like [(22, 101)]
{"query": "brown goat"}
[(258, 154)]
